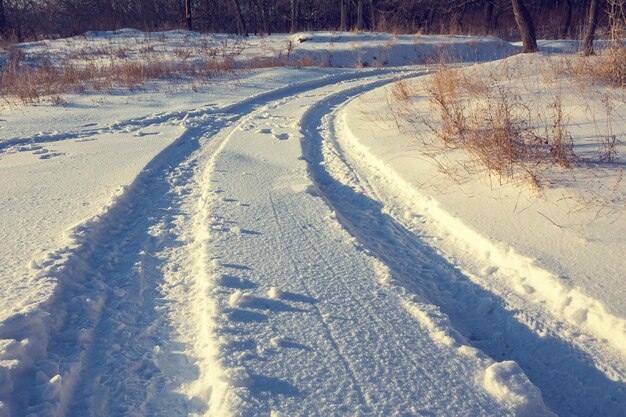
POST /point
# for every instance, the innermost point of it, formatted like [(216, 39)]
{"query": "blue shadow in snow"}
[(570, 383)]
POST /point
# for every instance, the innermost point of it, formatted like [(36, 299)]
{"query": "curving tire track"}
[(105, 342), (568, 376)]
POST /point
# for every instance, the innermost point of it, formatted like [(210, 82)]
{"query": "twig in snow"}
[(546, 217)]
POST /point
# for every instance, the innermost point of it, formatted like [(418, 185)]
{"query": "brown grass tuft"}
[(488, 119)]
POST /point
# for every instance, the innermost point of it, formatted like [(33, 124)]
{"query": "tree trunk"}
[(188, 14), (489, 26), (294, 16), (592, 22), (241, 23), (359, 18), (372, 16), (526, 26), (4, 30), (344, 15), (262, 17), (568, 19)]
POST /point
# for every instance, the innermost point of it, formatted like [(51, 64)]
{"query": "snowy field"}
[(275, 241)]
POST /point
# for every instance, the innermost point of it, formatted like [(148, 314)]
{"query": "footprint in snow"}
[(265, 131), (279, 342), (41, 151), (281, 136), (240, 231), (235, 282), (46, 154)]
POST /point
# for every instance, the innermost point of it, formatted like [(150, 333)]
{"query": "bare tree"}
[(526, 26), (344, 15), (3, 21), (188, 14), (294, 16), (359, 15), (241, 23), (592, 22)]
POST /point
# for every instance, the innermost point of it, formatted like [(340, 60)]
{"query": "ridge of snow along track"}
[(519, 273), (522, 274), (577, 371), (44, 353)]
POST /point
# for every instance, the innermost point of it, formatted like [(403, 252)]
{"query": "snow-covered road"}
[(256, 268)]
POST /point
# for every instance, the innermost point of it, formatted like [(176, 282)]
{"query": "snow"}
[(492, 217), (266, 244), (558, 275), (506, 381)]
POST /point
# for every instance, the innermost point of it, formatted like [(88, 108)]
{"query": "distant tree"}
[(592, 22), (568, 19), (241, 23), (3, 21), (294, 16), (29, 19), (344, 15), (359, 15), (526, 26)]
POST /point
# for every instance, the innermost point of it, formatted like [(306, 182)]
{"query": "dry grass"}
[(489, 120), (34, 74), (608, 66), (42, 75), (513, 125), (34, 81)]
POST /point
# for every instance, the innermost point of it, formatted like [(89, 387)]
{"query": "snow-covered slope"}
[(555, 258), (260, 245), (327, 49)]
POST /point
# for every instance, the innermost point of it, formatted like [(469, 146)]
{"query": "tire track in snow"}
[(567, 377), (89, 320), (276, 350), (357, 293), (323, 320)]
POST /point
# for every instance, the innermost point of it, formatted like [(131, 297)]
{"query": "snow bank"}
[(522, 273), (382, 49), (327, 49)]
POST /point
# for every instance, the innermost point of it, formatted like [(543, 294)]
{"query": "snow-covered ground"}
[(272, 244)]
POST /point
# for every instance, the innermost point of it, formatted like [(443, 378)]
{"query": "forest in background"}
[(22, 20)]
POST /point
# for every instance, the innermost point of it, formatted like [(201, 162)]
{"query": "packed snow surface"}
[(273, 243)]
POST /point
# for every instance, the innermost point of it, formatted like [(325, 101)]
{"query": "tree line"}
[(511, 19)]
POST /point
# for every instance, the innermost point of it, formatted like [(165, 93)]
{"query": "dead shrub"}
[(608, 66), (308, 61), (401, 91), (490, 121), (445, 96), (559, 139)]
